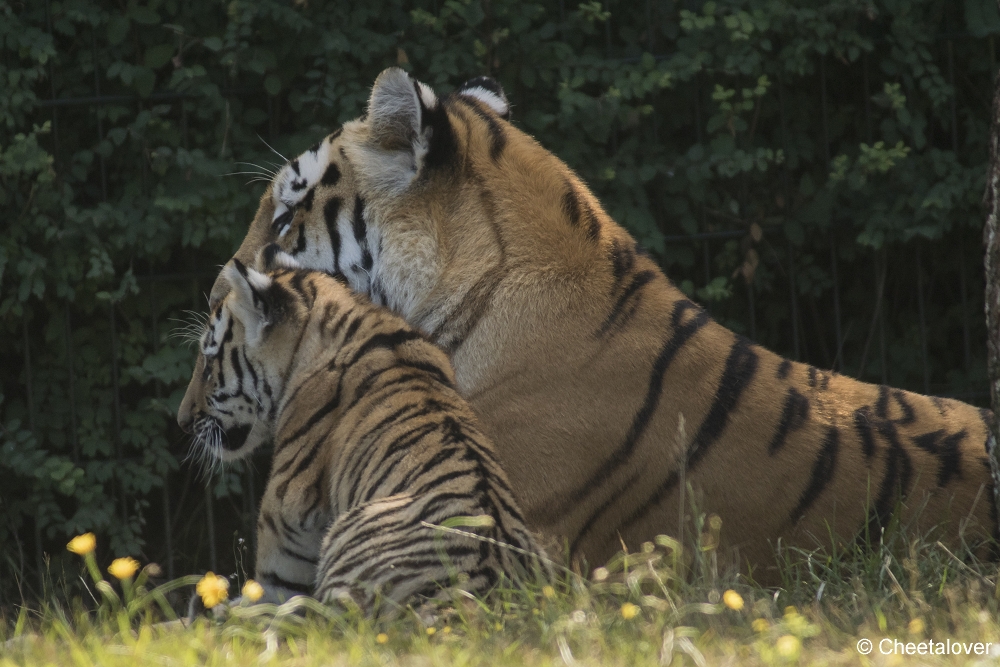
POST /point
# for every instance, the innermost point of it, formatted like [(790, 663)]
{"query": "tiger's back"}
[(373, 451)]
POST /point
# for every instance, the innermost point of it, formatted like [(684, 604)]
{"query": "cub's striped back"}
[(372, 445)]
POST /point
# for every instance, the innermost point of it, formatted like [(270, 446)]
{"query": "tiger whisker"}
[(272, 148)]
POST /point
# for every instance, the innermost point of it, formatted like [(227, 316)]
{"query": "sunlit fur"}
[(371, 439), (579, 356)]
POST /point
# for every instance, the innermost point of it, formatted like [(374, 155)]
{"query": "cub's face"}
[(230, 403)]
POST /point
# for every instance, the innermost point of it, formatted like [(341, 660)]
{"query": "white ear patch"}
[(427, 95), (283, 260), (257, 280), (489, 92)]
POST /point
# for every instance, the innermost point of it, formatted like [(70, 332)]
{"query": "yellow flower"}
[(431, 631), (446, 629), (629, 611), (123, 568), (733, 600), (252, 590), (82, 545), (788, 646), (213, 589), (382, 638), (548, 591), (790, 610), (916, 626), (761, 625)]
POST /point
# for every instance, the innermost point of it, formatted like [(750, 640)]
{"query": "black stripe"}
[(863, 424), (234, 360), (295, 167), (822, 474), (622, 260), (384, 340), (812, 376), (300, 244), (331, 176), (571, 205), (297, 556), (784, 368), (617, 318), (307, 202), (895, 483), (882, 404), (316, 416), (908, 414), (945, 448), (741, 366), (331, 211), (680, 334), (793, 416), (498, 138), (360, 228), (282, 220)]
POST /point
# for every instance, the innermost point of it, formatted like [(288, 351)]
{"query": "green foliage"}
[(781, 159)]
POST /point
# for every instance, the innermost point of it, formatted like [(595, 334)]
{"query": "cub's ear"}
[(247, 298), (489, 92)]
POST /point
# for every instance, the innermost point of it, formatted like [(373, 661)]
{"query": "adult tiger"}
[(580, 356), (371, 441)]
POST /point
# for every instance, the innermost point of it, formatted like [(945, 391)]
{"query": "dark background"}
[(810, 171)]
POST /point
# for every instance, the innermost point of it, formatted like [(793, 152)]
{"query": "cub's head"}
[(245, 352)]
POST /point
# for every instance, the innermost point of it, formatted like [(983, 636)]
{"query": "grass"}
[(663, 606)]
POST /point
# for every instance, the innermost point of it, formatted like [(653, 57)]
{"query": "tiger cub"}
[(372, 445)]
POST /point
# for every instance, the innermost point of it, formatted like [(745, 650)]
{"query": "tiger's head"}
[(245, 355), (423, 196)]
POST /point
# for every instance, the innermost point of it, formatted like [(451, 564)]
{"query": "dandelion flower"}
[(600, 574), (629, 611), (252, 590), (788, 646), (382, 638), (154, 570), (916, 626), (431, 630), (733, 600), (82, 545), (446, 629), (213, 589), (548, 591), (761, 625), (123, 568)]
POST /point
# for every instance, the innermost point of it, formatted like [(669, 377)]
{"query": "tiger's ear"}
[(489, 92), (397, 107), (408, 123), (247, 298)]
